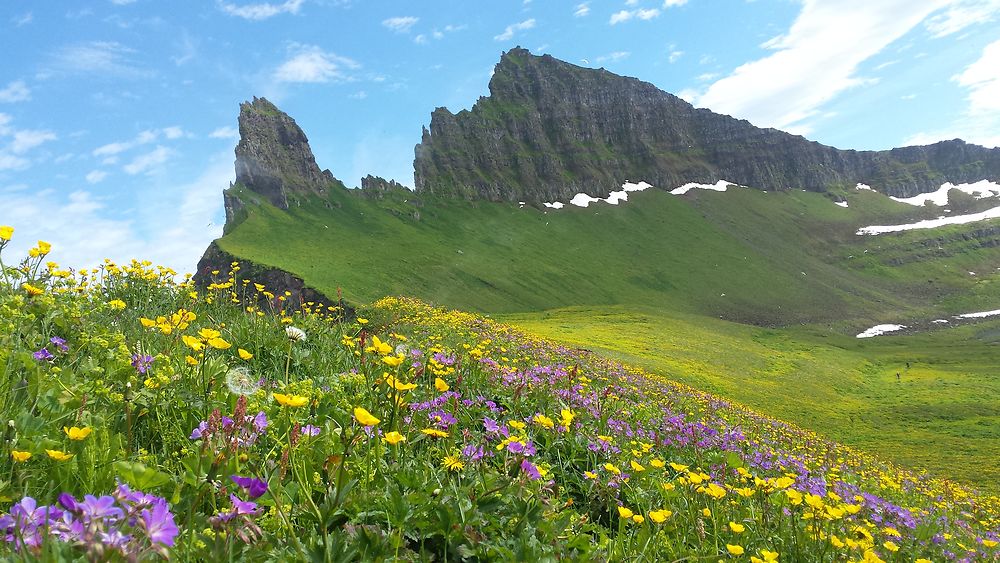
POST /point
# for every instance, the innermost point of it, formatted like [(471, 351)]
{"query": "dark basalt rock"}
[(550, 129)]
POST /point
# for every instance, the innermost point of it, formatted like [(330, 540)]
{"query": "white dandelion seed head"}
[(402, 349), (241, 382), (295, 334)]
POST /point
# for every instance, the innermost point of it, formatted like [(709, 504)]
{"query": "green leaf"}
[(140, 476)]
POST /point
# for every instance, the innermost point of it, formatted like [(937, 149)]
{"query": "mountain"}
[(550, 129)]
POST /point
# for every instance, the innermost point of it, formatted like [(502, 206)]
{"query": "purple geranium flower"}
[(93, 508), (310, 430), (253, 486), (530, 469), (60, 343), (43, 355), (141, 362), (159, 524)]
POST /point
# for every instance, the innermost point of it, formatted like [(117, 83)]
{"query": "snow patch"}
[(980, 314), (879, 330), (861, 186), (719, 186), (940, 321), (981, 189), (583, 200), (992, 213), (841, 203), (555, 205)]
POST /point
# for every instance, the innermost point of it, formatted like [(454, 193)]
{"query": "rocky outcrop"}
[(550, 129), (273, 157), (216, 264)]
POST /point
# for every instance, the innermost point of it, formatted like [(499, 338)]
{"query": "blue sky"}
[(118, 117)]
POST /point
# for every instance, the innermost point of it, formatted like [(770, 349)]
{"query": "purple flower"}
[(93, 508), (141, 362), (491, 425), (159, 524), (198, 432), (310, 430), (253, 486), (43, 355), (60, 343), (530, 469), (473, 453), (260, 421)]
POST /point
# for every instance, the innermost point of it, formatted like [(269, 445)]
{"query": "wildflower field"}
[(150, 419)]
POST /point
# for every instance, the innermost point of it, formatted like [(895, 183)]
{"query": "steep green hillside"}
[(744, 255), (941, 414)]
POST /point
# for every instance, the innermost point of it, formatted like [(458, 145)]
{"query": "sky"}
[(118, 117)]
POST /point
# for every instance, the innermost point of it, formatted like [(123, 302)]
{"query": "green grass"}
[(941, 415)]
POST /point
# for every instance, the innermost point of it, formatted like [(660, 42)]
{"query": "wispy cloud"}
[(312, 64), (581, 10), (122, 2), (814, 61), (95, 176), (142, 138), (16, 91), (673, 3), (626, 15), (261, 11), (95, 58), (674, 55), (23, 19), (148, 162), (962, 14), (400, 24), (27, 139), (613, 57), (509, 32), (225, 132)]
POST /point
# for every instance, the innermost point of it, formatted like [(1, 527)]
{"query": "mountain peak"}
[(273, 157)]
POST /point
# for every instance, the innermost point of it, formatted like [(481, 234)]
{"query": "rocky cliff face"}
[(550, 129), (273, 157)]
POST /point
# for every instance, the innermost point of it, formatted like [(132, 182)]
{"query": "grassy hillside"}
[(940, 415), (744, 255)]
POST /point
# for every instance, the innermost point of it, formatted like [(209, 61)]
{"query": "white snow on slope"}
[(719, 186), (879, 330), (980, 315), (861, 186), (583, 200), (555, 205), (992, 213), (841, 203), (981, 189)]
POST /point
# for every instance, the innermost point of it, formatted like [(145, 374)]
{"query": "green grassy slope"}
[(744, 255), (940, 415)]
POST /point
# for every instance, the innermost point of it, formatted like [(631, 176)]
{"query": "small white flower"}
[(295, 334)]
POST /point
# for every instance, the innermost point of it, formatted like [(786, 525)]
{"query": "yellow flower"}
[(379, 347), (624, 512), (147, 323), (76, 433), (769, 556), (567, 417), (434, 432), (636, 467), (794, 496), (638, 519), (19, 456), (706, 513), (392, 361), (659, 516), (44, 248), (734, 549), (543, 421), (191, 342), (6, 232), (737, 528), (190, 360), (364, 417), (291, 400), (678, 467), (990, 543), (32, 290), (440, 385), (891, 546), (116, 304), (58, 455), (218, 343), (516, 424), (452, 463), (612, 468), (208, 333), (393, 438), (657, 463), (362, 321), (244, 354)]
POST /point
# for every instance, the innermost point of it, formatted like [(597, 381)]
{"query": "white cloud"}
[(142, 138), (675, 55), (814, 61), (581, 10), (16, 91), (27, 139), (359, 95), (148, 162), (613, 57), (514, 28), (95, 176), (173, 132), (225, 132), (122, 230), (11, 162), (312, 64), (962, 14), (122, 2), (112, 148), (400, 24), (23, 19), (422, 39), (94, 58), (626, 15), (673, 3), (261, 11)]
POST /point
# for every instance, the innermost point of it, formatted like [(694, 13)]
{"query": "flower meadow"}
[(148, 419)]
